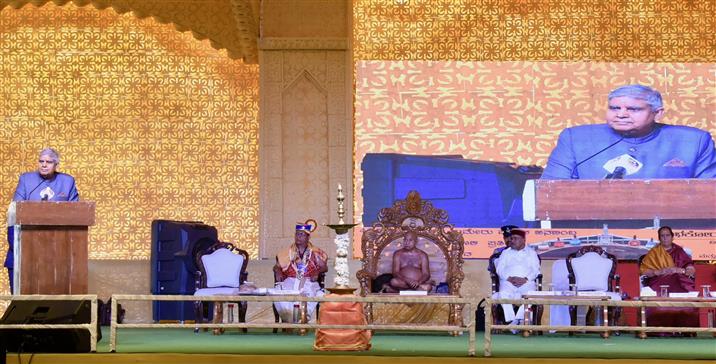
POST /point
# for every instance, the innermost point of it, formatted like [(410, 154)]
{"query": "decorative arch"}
[(230, 25), (305, 76), (305, 118)]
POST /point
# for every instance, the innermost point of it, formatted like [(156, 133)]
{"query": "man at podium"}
[(632, 143), (45, 184)]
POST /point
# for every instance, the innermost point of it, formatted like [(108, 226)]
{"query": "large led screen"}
[(468, 135)]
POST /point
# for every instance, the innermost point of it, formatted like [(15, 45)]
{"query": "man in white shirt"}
[(517, 268)]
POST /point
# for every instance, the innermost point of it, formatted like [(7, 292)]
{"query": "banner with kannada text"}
[(626, 244)]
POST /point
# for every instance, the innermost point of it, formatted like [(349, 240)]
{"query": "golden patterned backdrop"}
[(228, 24), (553, 30), (151, 122)]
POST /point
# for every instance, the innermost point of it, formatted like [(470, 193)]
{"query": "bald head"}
[(410, 239)]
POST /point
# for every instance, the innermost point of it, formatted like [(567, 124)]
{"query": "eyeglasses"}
[(43, 161)]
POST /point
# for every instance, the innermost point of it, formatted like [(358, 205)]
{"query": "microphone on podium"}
[(621, 166), (575, 174), (617, 174)]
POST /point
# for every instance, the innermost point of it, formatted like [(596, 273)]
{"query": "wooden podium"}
[(51, 247), (622, 199)]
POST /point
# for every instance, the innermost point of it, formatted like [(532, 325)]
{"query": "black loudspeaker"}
[(47, 340), (174, 247)]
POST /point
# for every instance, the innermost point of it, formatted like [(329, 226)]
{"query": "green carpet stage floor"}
[(178, 346)]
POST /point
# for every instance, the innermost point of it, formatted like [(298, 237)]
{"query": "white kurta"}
[(516, 263), (309, 289)]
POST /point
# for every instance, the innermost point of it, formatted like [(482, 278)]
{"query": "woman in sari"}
[(667, 264)]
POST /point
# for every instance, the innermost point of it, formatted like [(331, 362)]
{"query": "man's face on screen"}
[(46, 166), (632, 117)]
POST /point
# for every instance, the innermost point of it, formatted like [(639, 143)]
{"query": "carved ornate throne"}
[(436, 237)]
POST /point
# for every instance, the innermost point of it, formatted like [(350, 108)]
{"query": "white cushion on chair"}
[(223, 268), (646, 291), (591, 272), (230, 291), (560, 275)]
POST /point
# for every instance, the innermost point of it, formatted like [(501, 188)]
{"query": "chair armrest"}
[(617, 280), (642, 281), (321, 280), (197, 280), (571, 279), (277, 274), (538, 279), (363, 274), (494, 281), (365, 280), (244, 276)]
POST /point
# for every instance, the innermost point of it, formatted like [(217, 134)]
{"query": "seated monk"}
[(668, 264), (411, 267)]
